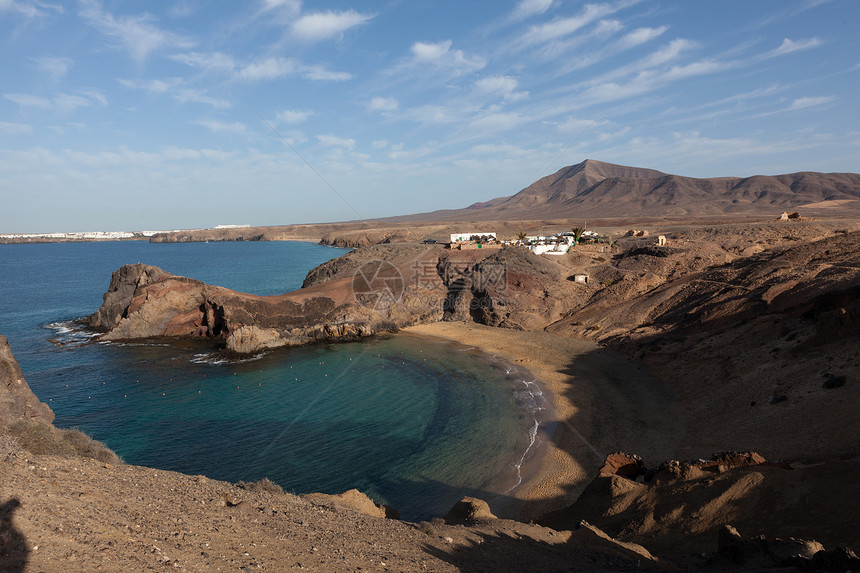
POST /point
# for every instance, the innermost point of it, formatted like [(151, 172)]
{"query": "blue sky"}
[(134, 115)]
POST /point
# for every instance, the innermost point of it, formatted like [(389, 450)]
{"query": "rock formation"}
[(17, 401)]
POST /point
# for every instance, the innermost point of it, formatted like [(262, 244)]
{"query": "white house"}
[(463, 237)]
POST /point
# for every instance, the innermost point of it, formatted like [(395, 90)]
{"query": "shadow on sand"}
[(13, 545)]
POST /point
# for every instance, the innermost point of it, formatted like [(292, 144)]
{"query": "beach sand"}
[(591, 388)]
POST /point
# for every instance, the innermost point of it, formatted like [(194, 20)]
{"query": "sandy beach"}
[(590, 387)]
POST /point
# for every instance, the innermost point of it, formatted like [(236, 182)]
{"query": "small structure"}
[(472, 236), (661, 241), (580, 278)]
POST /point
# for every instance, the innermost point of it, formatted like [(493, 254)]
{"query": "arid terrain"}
[(739, 335)]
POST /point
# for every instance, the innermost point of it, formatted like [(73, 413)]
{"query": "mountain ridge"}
[(599, 189)]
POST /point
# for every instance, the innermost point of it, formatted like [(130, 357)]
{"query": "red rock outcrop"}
[(17, 401)]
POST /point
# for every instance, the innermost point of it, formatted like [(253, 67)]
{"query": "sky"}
[(139, 115)]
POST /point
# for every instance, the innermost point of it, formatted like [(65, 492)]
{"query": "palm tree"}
[(577, 233), (521, 236)]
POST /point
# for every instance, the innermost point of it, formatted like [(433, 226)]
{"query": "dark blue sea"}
[(414, 422)]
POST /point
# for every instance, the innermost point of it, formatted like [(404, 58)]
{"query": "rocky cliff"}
[(17, 401)]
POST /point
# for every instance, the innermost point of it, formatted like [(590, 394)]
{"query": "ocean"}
[(414, 422)]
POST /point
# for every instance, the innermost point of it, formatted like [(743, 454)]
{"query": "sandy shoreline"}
[(590, 387), (547, 357)]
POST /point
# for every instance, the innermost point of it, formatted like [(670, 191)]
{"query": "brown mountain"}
[(604, 190)]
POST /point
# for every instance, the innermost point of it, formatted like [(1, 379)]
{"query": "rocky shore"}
[(730, 338)]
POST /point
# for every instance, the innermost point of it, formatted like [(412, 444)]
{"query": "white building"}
[(463, 237)]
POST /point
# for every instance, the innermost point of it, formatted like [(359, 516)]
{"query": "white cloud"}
[(62, 102), (579, 125), (561, 27), (670, 52), (69, 102), (526, 8), (15, 128), (433, 114), (324, 25), (216, 126), (496, 84), (429, 52), (29, 9), (54, 67), (26, 100), (441, 55), (335, 141), (215, 61), (186, 95), (292, 6), (504, 86), (95, 95), (152, 86), (267, 69), (138, 34), (291, 116), (320, 73), (379, 144), (788, 46), (640, 36), (384, 104), (805, 102)]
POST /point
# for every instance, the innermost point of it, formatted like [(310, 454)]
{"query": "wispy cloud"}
[(320, 73), (270, 68), (579, 125), (640, 36), (502, 86), (29, 9), (54, 67), (560, 27), (788, 46), (216, 126), (292, 116), (335, 141), (805, 102), (324, 25), (267, 69), (527, 8), (293, 6), (188, 95), (440, 55), (151, 86), (383, 104), (174, 87), (216, 61), (61, 102), (11, 128), (138, 34)]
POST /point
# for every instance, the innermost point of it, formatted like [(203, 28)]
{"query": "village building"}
[(472, 236)]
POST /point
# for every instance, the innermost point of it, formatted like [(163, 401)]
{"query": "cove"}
[(413, 422)]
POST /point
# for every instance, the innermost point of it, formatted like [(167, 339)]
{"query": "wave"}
[(534, 444), (218, 359), (71, 333)]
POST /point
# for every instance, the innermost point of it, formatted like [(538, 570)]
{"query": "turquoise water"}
[(414, 422)]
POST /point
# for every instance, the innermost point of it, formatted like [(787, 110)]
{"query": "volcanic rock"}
[(17, 401), (470, 509)]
